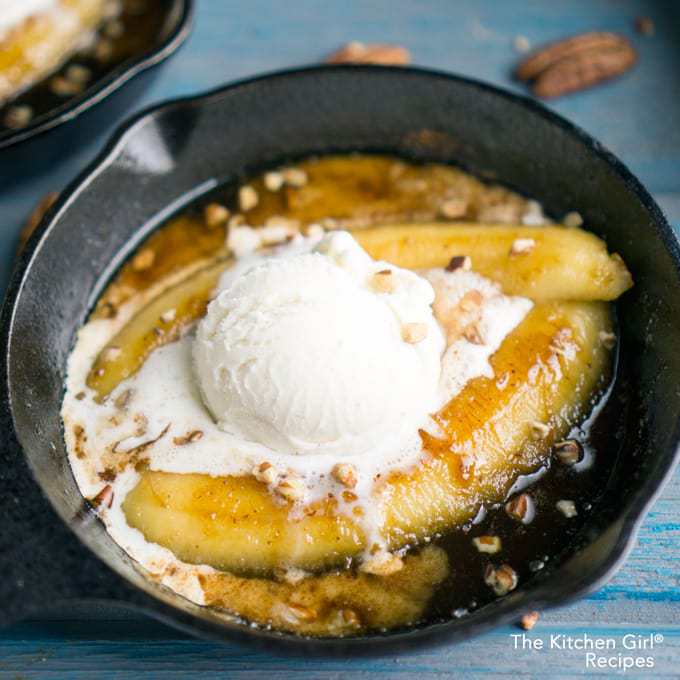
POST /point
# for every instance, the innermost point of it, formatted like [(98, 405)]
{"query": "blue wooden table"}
[(638, 117)]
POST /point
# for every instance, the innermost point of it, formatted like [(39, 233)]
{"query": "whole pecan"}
[(576, 63), (371, 53)]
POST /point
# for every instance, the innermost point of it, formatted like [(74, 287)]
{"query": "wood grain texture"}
[(136, 650), (636, 116)]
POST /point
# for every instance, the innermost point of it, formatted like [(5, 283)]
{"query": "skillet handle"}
[(42, 563)]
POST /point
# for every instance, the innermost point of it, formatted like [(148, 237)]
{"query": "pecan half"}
[(550, 54), (576, 63), (372, 53)]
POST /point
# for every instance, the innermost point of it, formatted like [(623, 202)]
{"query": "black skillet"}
[(52, 551)]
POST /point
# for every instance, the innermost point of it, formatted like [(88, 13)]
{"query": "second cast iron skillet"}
[(51, 550), (173, 19)]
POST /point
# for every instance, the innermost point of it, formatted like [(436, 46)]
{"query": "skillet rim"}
[(507, 609)]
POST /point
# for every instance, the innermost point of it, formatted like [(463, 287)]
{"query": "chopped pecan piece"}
[(215, 215), (529, 620), (104, 499), (522, 246), (145, 445), (572, 219), (345, 474), (501, 579), (273, 180), (295, 613), (123, 399), (473, 334), (18, 116), (63, 87), (77, 73), (520, 507), (265, 473), (247, 198), (487, 544), (188, 438), (294, 177), (459, 262), (568, 452), (291, 488), (143, 259), (567, 508)]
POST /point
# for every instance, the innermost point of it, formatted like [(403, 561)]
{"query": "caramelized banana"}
[(161, 321), (546, 374), (235, 524), (541, 263)]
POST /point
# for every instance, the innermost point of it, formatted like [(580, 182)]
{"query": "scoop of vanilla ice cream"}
[(302, 352)]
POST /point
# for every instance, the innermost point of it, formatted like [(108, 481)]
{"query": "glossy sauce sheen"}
[(539, 547)]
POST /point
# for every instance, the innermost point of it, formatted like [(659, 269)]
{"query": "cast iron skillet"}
[(177, 23), (50, 136), (51, 550)]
